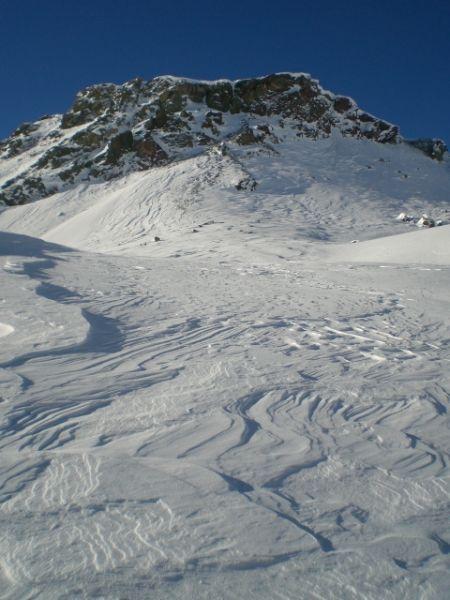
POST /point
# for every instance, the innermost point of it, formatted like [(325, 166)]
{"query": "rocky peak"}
[(111, 130)]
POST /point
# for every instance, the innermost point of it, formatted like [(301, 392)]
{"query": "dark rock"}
[(180, 140), (29, 189), (69, 175), (34, 184), (159, 119), (212, 119), (88, 139), (15, 147), (151, 151), (432, 147), (172, 100), (89, 104), (366, 118), (248, 184), (342, 104), (246, 137), (204, 140), (219, 96), (56, 156), (25, 129), (118, 146), (264, 128)]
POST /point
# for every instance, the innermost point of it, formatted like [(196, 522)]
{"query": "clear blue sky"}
[(391, 56)]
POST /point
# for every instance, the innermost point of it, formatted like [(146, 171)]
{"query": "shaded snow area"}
[(253, 406)]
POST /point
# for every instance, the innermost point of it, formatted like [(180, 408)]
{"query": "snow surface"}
[(430, 247), (257, 409), (5, 329)]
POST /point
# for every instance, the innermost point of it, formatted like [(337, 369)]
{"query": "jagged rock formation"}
[(112, 130)]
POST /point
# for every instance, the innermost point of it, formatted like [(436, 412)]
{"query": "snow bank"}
[(431, 247)]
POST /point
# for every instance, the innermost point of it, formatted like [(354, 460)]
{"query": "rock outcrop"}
[(112, 130), (432, 147)]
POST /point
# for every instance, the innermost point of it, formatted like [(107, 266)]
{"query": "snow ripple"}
[(192, 433)]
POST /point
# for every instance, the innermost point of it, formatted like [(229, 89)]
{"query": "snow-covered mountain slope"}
[(251, 407), (333, 189)]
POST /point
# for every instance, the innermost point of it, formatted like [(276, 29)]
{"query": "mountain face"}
[(112, 130)]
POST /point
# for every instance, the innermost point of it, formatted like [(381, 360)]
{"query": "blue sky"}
[(392, 57)]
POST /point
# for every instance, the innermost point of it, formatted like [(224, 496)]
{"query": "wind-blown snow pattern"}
[(250, 407)]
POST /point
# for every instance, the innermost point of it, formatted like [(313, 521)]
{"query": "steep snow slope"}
[(250, 410)]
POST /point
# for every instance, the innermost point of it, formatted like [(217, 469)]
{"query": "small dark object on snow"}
[(195, 231), (405, 218), (157, 239), (247, 184)]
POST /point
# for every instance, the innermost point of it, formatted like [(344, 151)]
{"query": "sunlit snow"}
[(257, 409)]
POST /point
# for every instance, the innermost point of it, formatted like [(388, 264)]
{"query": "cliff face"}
[(112, 130)]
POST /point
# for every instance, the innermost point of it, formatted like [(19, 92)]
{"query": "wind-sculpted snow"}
[(204, 426), (206, 396)]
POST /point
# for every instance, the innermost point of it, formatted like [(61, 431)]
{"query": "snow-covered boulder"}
[(425, 221)]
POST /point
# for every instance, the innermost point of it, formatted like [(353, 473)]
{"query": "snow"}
[(5, 329), (430, 247), (258, 410), (175, 78)]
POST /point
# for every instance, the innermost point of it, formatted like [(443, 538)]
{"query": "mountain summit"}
[(112, 130)]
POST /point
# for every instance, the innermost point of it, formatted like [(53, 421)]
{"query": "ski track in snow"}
[(215, 424)]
